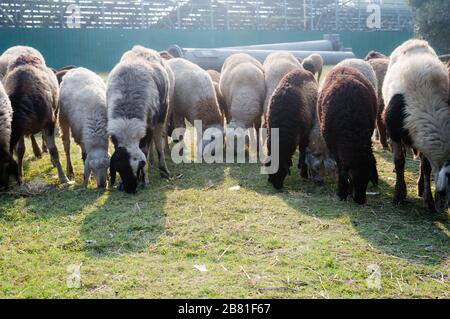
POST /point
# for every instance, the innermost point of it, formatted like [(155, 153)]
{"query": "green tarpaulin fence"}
[(100, 49)]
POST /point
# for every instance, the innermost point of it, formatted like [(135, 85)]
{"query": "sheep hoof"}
[(164, 173)]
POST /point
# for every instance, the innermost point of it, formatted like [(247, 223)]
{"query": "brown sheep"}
[(347, 109), (375, 55), (291, 110), (34, 92)]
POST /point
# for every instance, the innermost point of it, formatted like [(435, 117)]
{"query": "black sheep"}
[(347, 110), (291, 110)]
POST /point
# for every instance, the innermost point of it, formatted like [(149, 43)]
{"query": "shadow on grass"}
[(409, 232)]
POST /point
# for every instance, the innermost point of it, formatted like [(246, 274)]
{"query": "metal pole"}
[(304, 15), (311, 14), (178, 16), (103, 14), (285, 14), (211, 9), (337, 14), (359, 15)]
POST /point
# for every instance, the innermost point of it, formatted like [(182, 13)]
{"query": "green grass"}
[(254, 242)]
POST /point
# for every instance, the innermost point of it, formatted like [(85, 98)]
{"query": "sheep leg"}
[(20, 153), (420, 182), (382, 131), (302, 158), (36, 149), (427, 194), (145, 144), (400, 185), (65, 136), (343, 183), (44, 143), (53, 150), (179, 123), (257, 125), (159, 143)]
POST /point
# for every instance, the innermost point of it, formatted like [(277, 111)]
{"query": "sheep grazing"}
[(347, 109), (416, 90), (314, 64), (215, 77), (83, 114), (194, 97), (8, 166), (380, 67), (243, 87), (362, 66), (276, 66), (33, 91), (137, 101), (291, 110), (375, 55)]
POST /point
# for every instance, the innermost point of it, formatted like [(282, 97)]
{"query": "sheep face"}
[(129, 163), (97, 161), (8, 169), (442, 196), (319, 166)]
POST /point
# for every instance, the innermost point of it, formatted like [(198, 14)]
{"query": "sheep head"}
[(8, 169), (442, 196), (129, 162), (97, 161)]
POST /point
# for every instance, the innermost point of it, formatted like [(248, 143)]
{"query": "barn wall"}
[(100, 49)]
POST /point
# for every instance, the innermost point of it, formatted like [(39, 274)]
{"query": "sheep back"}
[(362, 66), (83, 107), (194, 94), (276, 66)]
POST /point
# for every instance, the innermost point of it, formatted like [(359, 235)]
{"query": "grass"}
[(253, 242)]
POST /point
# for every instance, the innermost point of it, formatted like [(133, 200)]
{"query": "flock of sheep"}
[(149, 93)]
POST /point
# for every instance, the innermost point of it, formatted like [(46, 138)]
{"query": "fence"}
[(100, 49)]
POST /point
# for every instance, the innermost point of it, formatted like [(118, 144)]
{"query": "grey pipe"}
[(320, 45), (214, 58)]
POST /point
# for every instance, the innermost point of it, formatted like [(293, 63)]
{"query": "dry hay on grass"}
[(32, 188)]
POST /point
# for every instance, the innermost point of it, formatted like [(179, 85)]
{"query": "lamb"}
[(8, 166), (380, 67), (194, 97), (215, 77), (33, 91), (137, 101), (291, 110), (276, 66), (314, 64), (347, 109), (243, 87), (82, 114), (362, 66), (375, 55), (416, 90)]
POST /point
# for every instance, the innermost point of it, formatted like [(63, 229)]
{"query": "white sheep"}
[(194, 97), (276, 66), (8, 166), (82, 114), (362, 66), (243, 87), (137, 101), (314, 64), (14, 52), (415, 91)]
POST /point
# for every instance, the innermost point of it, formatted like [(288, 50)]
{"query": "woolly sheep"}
[(8, 166), (137, 101), (243, 87), (33, 91), (375, 55), (291, 110), (416, 90), (194, 97), (380, 67), (362, 66), (314, 64), (276, 66), (215, 77), (347, 109), (82, 114)]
